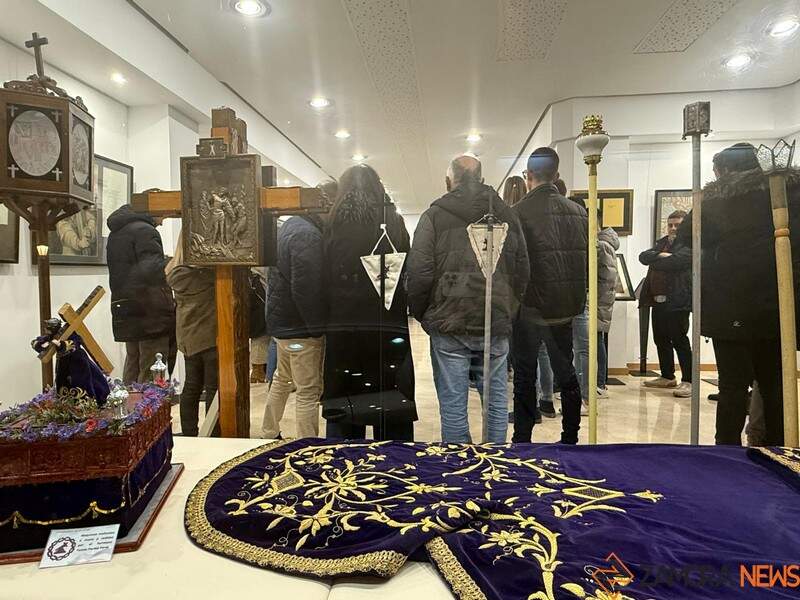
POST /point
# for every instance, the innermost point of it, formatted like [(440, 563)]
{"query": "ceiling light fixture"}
[(286, 182), (118, 78), (358, 157), (474, 137), (784, 27), (319, 102), (737, 62), (342, 134), (251, 8)]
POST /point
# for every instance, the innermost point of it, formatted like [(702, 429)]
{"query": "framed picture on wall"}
[(667, 202), (9, 236), (624, 289), (616, 209), (81, 238)]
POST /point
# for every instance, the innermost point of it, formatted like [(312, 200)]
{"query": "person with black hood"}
[(446, 292), (142, 306), (740, 289), (556, 234), (369, 370), (295, 318)]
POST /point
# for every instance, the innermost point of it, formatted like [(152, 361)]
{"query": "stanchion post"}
[(591, 143)]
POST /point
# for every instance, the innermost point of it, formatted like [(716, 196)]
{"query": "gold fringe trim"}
[(384, 563), (464, 587), (789, 463)]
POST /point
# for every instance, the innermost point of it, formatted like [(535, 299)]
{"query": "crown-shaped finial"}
[(592, 124)]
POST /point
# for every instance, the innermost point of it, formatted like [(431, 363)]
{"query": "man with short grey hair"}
[(446, 293)]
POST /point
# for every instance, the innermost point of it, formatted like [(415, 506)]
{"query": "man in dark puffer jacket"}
[(142, 306), (296, 319), (556, 233), (739, 288), (446, 291)]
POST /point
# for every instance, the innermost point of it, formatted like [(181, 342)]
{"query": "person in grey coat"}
[(607, 246)]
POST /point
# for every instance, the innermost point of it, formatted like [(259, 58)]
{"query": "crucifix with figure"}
[(229, 205), (46, 163)]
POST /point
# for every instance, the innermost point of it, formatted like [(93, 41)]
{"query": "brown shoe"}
[(660, 382), (258, 374)]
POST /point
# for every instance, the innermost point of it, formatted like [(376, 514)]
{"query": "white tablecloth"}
[(169, 566)]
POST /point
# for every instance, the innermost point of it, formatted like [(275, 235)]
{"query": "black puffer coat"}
[(556, 233), (739, 279), (142, 306), (296, 302), (446, 288)]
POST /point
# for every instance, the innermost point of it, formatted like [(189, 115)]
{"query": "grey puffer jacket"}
[(446, 287), (607, 246)]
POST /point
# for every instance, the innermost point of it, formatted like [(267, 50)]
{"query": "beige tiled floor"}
[(631, 413)]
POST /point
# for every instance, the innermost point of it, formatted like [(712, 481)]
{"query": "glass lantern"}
[(158, 372), (118, 400)]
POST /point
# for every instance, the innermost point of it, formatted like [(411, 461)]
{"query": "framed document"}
[(9, 236), (81, 238), (616, 209), (667, 202), (624, 289)]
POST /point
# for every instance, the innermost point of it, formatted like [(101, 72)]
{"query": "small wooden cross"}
[(74, 324), (36, 43)]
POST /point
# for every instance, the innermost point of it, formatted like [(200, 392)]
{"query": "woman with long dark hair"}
[(369, 372)]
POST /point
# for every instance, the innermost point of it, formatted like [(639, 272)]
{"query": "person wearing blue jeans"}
[(447, 289), (452, 360), (580, 345), (544, 381)]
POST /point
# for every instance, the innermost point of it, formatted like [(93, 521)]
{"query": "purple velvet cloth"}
[(520, 521), (76, 370)]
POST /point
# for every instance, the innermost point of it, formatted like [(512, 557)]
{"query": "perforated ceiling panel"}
[(384, 34), (683, 23), (526, 28)]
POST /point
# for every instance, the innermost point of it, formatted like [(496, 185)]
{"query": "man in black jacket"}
[(296, 319), (740, 288), (556, 233), (142, 306), (668, 290), (446, 293)]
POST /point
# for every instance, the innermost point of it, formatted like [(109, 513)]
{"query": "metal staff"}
[(591, 143), (775, 162), (696, 122), (490, 221)]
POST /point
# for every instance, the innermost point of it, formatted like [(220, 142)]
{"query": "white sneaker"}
[(684, 390), (584, 408), (660, 382), (602, 392)]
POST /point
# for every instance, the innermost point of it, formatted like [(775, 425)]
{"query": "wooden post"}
[(41, 230), (786, 301), (233, 349)]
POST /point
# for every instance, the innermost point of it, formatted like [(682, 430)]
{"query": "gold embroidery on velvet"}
[(385, 562), (463, 585), (789, 457), (17, 518)]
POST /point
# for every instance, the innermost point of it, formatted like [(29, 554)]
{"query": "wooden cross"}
[(232, 282), (74, 323), (36, 43)]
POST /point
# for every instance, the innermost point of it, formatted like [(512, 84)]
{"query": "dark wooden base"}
[(135, 537)]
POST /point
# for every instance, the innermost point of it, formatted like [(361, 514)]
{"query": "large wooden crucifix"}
[(224, 195)]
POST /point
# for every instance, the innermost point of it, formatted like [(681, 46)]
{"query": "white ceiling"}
[(411, 78)]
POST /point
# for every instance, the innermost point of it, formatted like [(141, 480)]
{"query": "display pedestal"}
[(135, 537)]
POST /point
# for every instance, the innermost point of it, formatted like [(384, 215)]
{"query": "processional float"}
[(47, 159), (229, 223)]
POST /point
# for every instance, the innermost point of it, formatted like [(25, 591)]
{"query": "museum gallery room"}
[(349, 299)]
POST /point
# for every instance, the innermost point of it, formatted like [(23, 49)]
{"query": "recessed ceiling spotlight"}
[(358, 157), (474, 137), (118, 78), (342, 134), (737, 62), (784, 27), (251, 8), (319, 102)]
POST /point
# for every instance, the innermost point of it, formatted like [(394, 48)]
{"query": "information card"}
[(79, 546)]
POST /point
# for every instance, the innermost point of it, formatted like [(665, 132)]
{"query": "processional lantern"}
[(46, 161), (591, 142)]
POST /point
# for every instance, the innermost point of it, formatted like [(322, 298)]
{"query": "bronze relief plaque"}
[(221, 207)]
